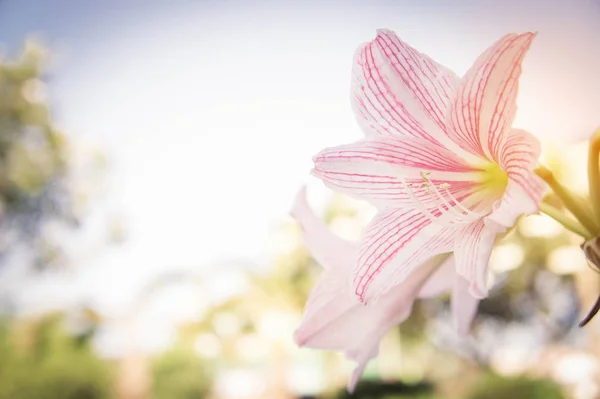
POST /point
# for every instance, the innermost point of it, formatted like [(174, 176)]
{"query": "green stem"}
[(594, 173), (570, 200), (568, 223)]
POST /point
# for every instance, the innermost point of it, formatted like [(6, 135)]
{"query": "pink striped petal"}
[(333, 319), (398, 91), (520, 150), (472, 254), (486, 103), (359, 329), (522, 196), (337, 256), (464, 306), (326, 248), (396, 242), (371, 169), (525, 189)]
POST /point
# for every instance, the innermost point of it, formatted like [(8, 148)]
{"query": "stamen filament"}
[(420, 205), (453, 209), (461, 206), (569, 199), (446, 205)]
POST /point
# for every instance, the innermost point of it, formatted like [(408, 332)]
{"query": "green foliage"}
[(36, 182), (40, 361), (180, 374), (496, 387)]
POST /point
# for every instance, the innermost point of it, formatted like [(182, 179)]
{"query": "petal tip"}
[(384, 31), (477, 291), (527, 37), (462, 331), (299, 337), (351, 387)]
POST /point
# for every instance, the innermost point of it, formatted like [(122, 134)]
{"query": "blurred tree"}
[(39, 191), (41, 361), (496, 387), (180, 374)]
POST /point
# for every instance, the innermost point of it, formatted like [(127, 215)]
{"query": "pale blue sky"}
[(210, 111)]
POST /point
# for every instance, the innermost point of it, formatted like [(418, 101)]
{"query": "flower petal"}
[(397, 241), (472, 254), (334, 320), (327, 248), (486, 103), (337, 256), (522, 196), (520, 150), (362, 361), (525, 190), (398, 91), (464, 306), (373, 169), (441, 281)]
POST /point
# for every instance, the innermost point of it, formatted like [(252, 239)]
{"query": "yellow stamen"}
[(494, 179)]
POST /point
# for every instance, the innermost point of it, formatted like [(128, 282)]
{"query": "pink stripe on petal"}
[(486, 103), (333, 319), (373, 169), (402, 153), (520, 150), (518, 155), (396, 242), (522, 196), (375, 105), (398, 91), (472, 254), (431, 84)]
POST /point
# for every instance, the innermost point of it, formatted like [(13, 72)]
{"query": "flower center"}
[(493, 180), (438, 203)]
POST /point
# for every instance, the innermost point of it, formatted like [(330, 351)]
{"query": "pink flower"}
[(440, 160), (334, 320)]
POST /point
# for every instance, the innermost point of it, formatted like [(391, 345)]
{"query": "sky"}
[(210, 111)]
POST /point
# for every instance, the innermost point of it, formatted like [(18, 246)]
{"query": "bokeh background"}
[(150, 152)]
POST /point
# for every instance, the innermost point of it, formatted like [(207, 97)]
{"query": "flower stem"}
[(594, 173), (568, 223), (570, 200)]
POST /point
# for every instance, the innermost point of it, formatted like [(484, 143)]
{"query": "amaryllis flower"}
[(440, 160), (335, 320)]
